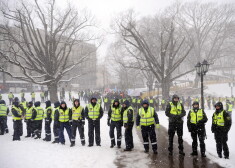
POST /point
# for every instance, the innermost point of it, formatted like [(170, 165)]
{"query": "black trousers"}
[(221, 138), (29, 127), (149, 132), (78, 125), (37, 127), (129, 136), (48, 129), (18, 129), (56, 130), (118, 126), (94, 125), (2, 125), (200, 133), (178, 128)]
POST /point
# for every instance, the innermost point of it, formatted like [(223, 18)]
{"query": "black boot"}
[(220, 155), (155, 152), (194, 153), (170, 153), (181, 152), (146, 150), (72, 144), (203, 154), (127, 149)]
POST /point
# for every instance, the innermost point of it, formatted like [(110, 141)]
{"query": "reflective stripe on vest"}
[(3, 110), (46, 111), (125, 115), (53, 113), (196, 116), (77, 113), (176, 110), (64, 115), (18, 111), (40, 113), (146, 118), (116, 114), (218, 119), (93, 112), (29, 112)]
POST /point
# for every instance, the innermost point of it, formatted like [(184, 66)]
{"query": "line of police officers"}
[(118, 116)]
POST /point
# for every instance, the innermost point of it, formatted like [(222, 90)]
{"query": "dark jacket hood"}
[(56, 104), (37, 104), (48, 103), (2, 102), (127, 103)]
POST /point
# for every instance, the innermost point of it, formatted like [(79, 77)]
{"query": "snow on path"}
[(36, 153), (210, 141)]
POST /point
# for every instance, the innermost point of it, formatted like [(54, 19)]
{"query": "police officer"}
[(221, 124), (11, 97), (48, 120), (56, 124), (33, 97), (128, 120), (78, 122), (4, 110), (175, 111), (106, 100), (37, 116), (229, 108), (147, 118), (196, 125), (62, 115), (93, 113), (28, 119), (18, 114), (22, 95), (115, 116)]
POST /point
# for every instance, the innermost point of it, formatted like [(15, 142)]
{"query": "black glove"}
[(121, 123), (83, 122), (71, 122), (126, 125), (108, 122), (189, 129)]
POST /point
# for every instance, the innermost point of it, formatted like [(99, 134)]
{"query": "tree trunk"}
[(52, 88), (165, 89)]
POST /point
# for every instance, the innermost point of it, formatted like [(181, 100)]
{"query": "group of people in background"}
[(123, 111)]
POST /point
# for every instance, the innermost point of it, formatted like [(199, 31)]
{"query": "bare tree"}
[(208, 25), (156, 44), (39, 39)]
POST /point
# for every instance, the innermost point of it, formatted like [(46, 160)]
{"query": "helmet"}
[(219, 104), (195, 103), (145, 102)]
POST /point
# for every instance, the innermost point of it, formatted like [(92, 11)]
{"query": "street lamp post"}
[(202, 69)]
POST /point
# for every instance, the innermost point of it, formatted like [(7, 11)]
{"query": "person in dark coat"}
[(48, 120), (196, 125), (17, 112), (63, 116), (221, 124), (93, 113), (37, 116), (56, 123), (128, 121), (4, 111), (115, 115), (78, 122), (147, 118), (175, 112)]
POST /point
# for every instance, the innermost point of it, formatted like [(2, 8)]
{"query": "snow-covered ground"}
[(29, 152), (210, 142), (37, 153)]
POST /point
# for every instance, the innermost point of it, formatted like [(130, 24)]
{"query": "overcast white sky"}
[(105, 10)]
